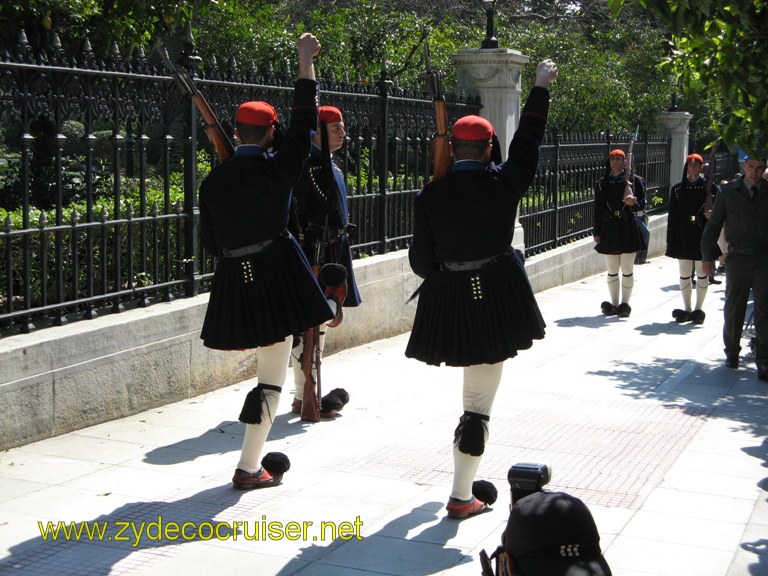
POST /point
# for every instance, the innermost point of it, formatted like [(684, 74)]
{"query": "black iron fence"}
[(559, 206), (100, 161)]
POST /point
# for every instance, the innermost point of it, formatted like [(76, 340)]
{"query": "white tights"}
[(625, 263), (687, 268), (272, 369), (480, 385)]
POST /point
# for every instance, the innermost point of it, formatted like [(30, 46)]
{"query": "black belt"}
[(469, 264), (252, 248)]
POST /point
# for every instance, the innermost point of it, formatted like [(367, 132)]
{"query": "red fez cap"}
[(329, 114), (256, 113), (695, 158), (617, 152), (472, 128)]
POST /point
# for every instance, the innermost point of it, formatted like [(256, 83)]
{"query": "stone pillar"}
[(676, 125), (494, 75)]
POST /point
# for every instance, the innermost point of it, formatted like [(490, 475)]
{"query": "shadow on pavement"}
[(100, 553), (393, 549), (227, 436)]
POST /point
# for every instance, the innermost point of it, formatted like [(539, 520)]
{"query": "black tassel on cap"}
[(469, 436), (495, 149), (485, 491)]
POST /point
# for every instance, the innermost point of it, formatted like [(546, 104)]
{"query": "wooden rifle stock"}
[(221, 142), (440, 152), (311, 355), (310, 358)]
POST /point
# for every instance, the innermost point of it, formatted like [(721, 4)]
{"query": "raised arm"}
[(546, 73), (308, 47)]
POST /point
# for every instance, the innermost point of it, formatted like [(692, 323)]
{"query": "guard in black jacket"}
[(263, 289), (617, 232), (320, 219), (689, 210), (476, 307)]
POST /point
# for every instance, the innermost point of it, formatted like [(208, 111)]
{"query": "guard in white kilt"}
[(263, 288), (320, 220), (689, 210), (617, 232), (476, 307)]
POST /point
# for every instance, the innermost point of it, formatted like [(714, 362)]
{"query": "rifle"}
[(711, 175), (629, 168), (221, 142), (311, 359), (327, 274), (440, 153), (311, 354)]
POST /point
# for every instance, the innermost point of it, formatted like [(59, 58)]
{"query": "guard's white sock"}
[(256, 434)]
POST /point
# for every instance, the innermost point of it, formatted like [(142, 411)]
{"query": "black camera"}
[(526, 478)]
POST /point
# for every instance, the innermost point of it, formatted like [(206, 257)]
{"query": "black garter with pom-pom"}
[(469, 436), (254, 404)]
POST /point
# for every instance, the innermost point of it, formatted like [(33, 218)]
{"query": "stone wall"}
[(65, 378)]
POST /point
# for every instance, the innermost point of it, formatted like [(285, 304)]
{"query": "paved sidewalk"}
[(636, 416)]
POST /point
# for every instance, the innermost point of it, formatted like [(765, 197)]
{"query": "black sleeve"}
[(421, 254), (638, 185), (523, 153), (294, 151)]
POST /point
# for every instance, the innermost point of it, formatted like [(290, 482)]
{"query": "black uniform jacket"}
[(616, 223), (246, 200), (470, 214), (686, 220), (320, 213)]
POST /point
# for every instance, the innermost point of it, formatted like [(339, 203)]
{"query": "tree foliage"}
[(128, 23), (608, 77), (608, 73), (720, 49)]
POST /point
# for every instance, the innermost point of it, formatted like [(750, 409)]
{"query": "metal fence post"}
[(190, 59), (556, 191), (384, 85)]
